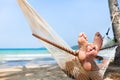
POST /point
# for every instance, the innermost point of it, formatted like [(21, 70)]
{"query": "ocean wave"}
[(23, 57)]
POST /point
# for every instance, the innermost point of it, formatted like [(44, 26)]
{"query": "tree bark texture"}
[(115, 19)]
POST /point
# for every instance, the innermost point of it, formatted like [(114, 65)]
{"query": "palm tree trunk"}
[(115, 18)]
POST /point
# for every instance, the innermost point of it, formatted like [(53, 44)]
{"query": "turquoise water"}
[(22, 51), (23, 56)]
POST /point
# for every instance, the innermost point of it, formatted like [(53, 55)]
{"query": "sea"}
[(36, 56), (24, 56)]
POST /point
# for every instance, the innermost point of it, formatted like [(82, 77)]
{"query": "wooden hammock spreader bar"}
[(65, 49), (54, 44)]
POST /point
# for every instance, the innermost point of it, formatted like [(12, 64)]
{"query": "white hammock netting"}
[(72, 68)]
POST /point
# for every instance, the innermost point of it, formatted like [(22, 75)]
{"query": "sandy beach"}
[(47, 72), (33, 72)]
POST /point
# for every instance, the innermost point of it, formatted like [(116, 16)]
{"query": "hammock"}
[(49, 37)]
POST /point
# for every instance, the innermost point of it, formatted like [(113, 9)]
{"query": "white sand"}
[(36, 72), (33, 72)]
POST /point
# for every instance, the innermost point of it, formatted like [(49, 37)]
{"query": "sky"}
[(67, 17)]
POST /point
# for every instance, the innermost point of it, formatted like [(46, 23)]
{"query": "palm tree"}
[(115, 18)]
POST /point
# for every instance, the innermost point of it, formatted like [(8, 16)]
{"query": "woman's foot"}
[(93, 48), (83, 42), (98, 41)]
